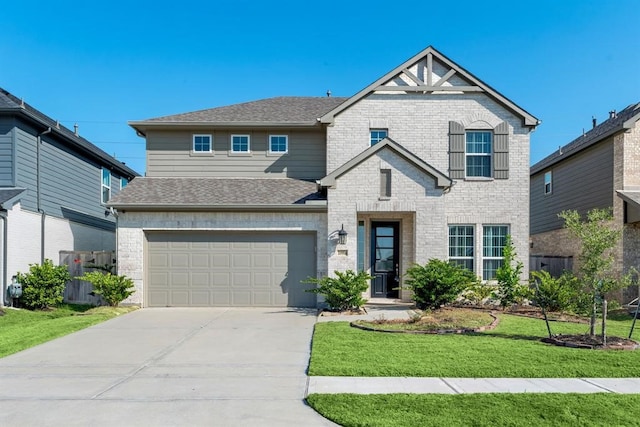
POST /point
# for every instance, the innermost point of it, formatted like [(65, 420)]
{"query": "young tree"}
[(598, 236), (510, 290)]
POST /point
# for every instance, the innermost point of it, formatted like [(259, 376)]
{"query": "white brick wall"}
[(420, 123), (132, 227)]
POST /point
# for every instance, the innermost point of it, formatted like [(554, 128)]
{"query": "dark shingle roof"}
[(10, 103), (214, 192), (603, 130), (7, 194), (284, 109)]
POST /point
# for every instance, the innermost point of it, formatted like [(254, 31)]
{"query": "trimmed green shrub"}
[(343, 292), (112, 288), (438, 282), (43, 286), (555, 294)]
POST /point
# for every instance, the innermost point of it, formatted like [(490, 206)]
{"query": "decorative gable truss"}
[(428, 75)]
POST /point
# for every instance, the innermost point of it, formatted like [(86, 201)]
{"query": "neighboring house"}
[(242, 202), (54, 186), (600, 169)]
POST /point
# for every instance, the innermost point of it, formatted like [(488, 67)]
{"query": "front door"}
[(385, 260)]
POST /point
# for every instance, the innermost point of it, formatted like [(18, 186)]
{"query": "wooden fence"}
[(555, 265), (79, 291)]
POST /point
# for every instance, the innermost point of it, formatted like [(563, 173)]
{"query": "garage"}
[(205, 269)]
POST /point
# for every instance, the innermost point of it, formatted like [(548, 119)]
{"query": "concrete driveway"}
[(167, 367)]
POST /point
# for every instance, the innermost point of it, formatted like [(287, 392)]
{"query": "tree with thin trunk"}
[(598, 235)]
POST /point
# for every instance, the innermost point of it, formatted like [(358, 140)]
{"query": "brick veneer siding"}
[(421, 124), (132, 227)]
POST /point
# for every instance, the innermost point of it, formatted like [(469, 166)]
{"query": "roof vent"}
[(75, 129), (613, 114), (594, 121), (328, 93), (57, 124), (21, 102)]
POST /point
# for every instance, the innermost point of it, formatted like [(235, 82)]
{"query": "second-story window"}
[(106, 185), (377, 135), (547, 182), (201, 143), (278, 144), (123, 182), (478, 153), (240, 143)]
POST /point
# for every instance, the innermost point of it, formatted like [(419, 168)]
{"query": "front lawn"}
[(396, 410), (22, 329), (513, 349)]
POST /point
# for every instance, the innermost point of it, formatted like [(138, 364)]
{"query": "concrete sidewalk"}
[(385, 385)]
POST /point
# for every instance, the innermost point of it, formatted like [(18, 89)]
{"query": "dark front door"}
[(385, 260)]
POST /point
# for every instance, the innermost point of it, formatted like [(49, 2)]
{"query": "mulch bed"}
[(591, 343), (492, 325)]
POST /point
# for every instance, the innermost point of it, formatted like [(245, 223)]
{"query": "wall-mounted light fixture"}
[(342, 236)]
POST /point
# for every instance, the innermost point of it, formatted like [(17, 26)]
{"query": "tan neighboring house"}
[(242, 202), (599, 169)]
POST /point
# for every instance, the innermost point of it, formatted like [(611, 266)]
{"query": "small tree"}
[(510, 290), (43, 286), (438, 282), (343, 292), (598, 236), (112, 288)]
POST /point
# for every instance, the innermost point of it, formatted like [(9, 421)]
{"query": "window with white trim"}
[(278, 143), (202, 143), (377, 135), (106, 185), (478, 153), (547, 182), (240, 143), (494, 239), (461, 245)]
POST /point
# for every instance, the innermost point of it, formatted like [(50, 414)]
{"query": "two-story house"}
[(54, 187), (598, 169), (242, 202)]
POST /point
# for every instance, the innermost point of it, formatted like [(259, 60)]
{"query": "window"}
[(240, 143), (547, 182), (478, 153), (361, 246), (461, 245), (123, 182), (106, 185), (385, 183), (278, 143), (201, 143), (377, 135), (493, 242)]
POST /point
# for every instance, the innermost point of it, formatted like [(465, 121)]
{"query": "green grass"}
[(22, 329), (513, 349), (395, 410)]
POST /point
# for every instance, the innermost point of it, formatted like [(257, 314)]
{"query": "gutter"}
[(317, 206), (38, 192), (141, 127), (5, 258)]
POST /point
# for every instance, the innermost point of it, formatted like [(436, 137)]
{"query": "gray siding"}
[(70, 183), (6, 152), (582, 182), (169, 155)]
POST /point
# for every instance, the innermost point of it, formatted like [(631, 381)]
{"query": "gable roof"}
[(9, 195), (442, 180), (219, 194), (625, 119), (9, 103), (280, 111), (430, 53)]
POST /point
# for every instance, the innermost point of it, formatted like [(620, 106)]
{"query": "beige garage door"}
[(203, 269)]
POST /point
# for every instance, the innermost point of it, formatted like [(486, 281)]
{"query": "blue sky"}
[(101, 64)]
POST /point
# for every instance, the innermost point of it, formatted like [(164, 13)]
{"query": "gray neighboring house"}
[(242, 202), (54, 186), (598, 169)]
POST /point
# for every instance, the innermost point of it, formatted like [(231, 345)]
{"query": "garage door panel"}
[(229, 268)]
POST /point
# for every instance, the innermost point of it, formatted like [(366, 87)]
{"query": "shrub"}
[(438, 282), (43, 286), (554, 294), (510, 290), (343, 292), (478, 293), (112, 288)]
